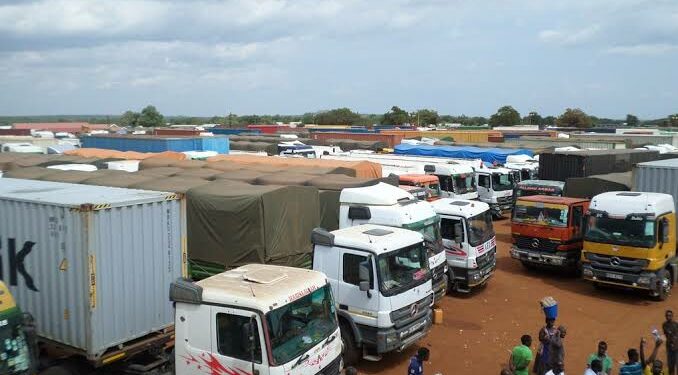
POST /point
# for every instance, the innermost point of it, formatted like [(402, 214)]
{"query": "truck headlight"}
[(643, 280), (476, 276), (587, 272)]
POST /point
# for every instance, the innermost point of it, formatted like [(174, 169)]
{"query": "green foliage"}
[(533, 118), (505, 116), (549, 120), (339, 116), (150, 117), (464, 120), (395, 116), (129, 118), (425, 117), (632, 120), (574, 117)]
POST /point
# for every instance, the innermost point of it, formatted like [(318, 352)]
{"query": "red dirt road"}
[(480, 328)]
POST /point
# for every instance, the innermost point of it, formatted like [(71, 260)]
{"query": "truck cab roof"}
[(418, 178), (553, 200), (459, 207), (260, 286), (380, 194), (624, 203), (377, 239)]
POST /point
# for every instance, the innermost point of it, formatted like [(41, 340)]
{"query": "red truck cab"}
[(427, 181), (548, 231)]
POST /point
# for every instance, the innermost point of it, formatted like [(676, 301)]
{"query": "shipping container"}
[(91, 264), (24, 132), (146, 143), (233, 131), (660, 176), (583, 143), (269, 129), (632, 140), (562, 165), (178, 131), (473, 136), (390, 139)]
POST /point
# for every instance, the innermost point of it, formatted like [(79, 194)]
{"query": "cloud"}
[(643, 49), (569, 37)]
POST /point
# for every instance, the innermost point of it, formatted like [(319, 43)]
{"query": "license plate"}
[(614, 276)]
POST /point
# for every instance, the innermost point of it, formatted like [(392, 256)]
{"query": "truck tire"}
[(351, 354), (665, 284)]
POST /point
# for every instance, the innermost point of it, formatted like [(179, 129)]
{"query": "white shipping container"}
[(92, 264), (659, 176)]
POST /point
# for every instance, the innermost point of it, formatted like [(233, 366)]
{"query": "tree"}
[(395, 116), (129, 118), (505, 116), (339, 116), (574, 117), (673, 120), (426, 117), (150, 117), (549, 120), (533, 118), (632, 120)]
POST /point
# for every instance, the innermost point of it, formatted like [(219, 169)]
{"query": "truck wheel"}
[(665, 284), (351, 352)]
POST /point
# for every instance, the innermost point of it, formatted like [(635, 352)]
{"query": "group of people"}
[(549, 358)]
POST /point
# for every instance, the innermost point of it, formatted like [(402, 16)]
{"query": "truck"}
[(430, 183), (539, 187), (257, 319), (548, 231), (382, 283), (630, 241), (526, 165), (383, 204), (15, 353), (469, 242)]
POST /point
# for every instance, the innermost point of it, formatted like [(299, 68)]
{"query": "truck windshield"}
[(525, 174), (553, 215), (480, 228), (13, 346), (431, 231), (514, 177), (464, 183), (301, 325), (433, 190), (501, 182), (625, 232), (402, 269)]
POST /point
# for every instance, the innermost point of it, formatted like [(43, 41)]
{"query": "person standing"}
[(595, 368), (417, 362), (521, 356), (556, 347), (558, 369), (602, 356), (651, 366), (670, 328), (541, 360)]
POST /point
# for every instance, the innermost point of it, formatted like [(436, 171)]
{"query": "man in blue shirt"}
[(417, 362), (637, 363)]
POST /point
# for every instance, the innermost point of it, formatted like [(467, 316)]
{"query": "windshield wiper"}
[(329, 340), (301, 360)]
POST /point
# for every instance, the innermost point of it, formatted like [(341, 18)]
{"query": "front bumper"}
[(393, 339), (559, 259), (480, 276), (333, 368), (647, 280), (500, 208)]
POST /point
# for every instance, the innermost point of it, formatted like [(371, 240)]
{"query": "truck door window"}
[(232, 337), (447, 229), (351, 267), (484, 181)]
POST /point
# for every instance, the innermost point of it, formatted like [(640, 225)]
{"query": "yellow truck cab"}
[(630, 241)]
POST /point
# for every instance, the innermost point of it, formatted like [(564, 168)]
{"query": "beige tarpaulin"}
[(358, 168), (129, 155)]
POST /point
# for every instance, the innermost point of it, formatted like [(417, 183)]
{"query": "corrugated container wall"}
[(560, 166), (659, 176), (98, 261), (390, 139), (218, 144)]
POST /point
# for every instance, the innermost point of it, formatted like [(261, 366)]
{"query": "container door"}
[(232, 350), (350, 298)]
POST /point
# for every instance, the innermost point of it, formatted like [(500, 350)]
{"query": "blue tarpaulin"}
[(488, 155)]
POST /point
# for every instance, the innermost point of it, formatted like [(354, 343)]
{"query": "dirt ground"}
[(480, 328)]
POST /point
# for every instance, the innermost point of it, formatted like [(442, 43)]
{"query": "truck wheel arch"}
[(346, 321), (673, 269)]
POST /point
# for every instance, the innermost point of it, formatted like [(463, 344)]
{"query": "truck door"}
[(453, 240), (231, 348), (484, 186), (362, 307)]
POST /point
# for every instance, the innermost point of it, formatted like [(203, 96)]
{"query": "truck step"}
[(370, 357)]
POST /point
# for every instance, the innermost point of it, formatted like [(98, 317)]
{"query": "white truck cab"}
[(469, 242), (382, 283), (257, 319), (526, 165), (495, 187), (384, 204)]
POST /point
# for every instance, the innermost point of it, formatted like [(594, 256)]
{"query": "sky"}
[(204, 58)]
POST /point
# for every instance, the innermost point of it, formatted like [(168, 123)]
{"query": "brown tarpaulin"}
[(30, 173), (241, 175), (128, 155), (203, 173), (358, 168), (233, 225), (224, 166), (170, 184), (161, 171), (76, 177), (118, 180), (285, 178), (188, 164)]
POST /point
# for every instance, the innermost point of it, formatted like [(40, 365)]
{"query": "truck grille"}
[(505, 200), (536, 244), (331, 369), (614, 263), (486, 258), (403, 316)]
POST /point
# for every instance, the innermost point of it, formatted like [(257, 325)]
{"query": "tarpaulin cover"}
[(30, 173), (186, 164), (589, 187), (284, 178), (204, 173), (357, 168), (488, 155), (155, 162), (161, 171), (119, 180), (234, 225), (241, 175), (128, 155), (224, 166), (348, 145), (77, 177), (170, 184), (30, 161)]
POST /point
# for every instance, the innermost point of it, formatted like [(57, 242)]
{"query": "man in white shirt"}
[(558, 369), (596, 368)]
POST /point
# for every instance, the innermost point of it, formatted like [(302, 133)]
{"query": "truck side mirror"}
[(665, 230)]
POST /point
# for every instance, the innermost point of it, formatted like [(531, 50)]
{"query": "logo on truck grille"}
[(615, 261), (535, 243), (414, 309)]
